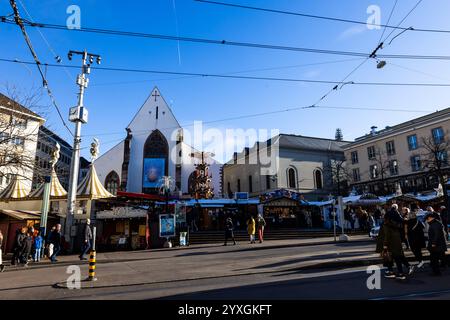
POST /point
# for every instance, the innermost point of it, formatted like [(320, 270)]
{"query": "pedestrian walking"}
[(437, 244), (2, 267), (261, 226), (405, 213), (49, 244), (415, 236), (55, 240), (251, 229), (87, 240), (38, 240), (18, 245), (229, 231), (377, 216), (392, 243)]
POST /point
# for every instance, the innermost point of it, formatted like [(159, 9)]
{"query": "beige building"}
[(19, 128), (402, 155), (297, 163)]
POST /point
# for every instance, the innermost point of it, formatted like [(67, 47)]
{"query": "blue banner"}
[(153, 172)]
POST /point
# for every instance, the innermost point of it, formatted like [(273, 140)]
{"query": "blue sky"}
[(113, 98)]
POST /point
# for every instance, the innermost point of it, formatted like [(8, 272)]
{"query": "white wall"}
[(112, 160)]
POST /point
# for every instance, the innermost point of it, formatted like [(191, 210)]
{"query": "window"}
[(356, 175), (443, 157), (4, 137), (393, 167), (112, 182), (267, 182), (19, 123), (390, 148), (39, 145), (374, 171), (18, 141), (412, 142), (355, 159), (292, 181), (318, 179), (371, 152), (438, 135), (239, 185), (250, 184), (415, 163)]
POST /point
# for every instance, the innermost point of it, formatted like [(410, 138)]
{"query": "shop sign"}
[(122, 212)]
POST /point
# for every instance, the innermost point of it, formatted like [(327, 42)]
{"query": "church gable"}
[(154, 113)]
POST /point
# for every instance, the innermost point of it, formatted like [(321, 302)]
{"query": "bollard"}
[(92, 258), (92, 266)]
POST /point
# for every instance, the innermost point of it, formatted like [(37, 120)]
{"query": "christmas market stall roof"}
[(218, 203), (283, 194), (91, 186), (56, 189), (14, 190)]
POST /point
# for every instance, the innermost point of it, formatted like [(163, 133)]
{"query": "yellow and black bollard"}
[(92, 266), (92, 258)]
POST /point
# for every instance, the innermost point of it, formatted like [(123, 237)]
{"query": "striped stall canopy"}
[(92, 187), (56, 189), (15, 190)]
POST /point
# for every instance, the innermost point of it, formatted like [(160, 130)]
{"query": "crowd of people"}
[(253, 225), (404, 230)]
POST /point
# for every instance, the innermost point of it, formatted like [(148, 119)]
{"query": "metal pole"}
[(44, 210), (94, 235), (334, 222)]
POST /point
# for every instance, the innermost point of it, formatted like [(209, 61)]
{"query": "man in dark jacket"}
[(392, 242), (26, 248), (55, 239), (18, 245), (229, 231), (444, 218), (87, 240), (437, 244)]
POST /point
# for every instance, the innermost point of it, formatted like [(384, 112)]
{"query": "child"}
[(37, 247)]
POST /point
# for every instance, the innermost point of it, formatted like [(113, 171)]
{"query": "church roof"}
[(154, 94), (310, 143)]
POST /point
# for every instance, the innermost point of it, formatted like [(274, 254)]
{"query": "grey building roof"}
[(310, 143)]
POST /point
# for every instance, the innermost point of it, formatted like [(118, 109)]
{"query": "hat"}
[(433, 215)]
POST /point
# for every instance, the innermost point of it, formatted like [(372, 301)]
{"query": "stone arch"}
[(156, 147)]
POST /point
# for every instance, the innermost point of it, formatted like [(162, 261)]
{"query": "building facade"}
[(19, 130), (153, 148), (411, 156), (301, 164)]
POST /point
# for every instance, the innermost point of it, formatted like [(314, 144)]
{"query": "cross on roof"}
[(156, 94)]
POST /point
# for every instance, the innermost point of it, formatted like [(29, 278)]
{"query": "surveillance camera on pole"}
[(78, 115)]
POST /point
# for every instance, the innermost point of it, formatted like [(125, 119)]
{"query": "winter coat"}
[(436, 236), (251, 226), (38, 242), (392, 238), (229, 228), (415, 233), (55, 238), (19, 242), (261, 223), (87, 233), (27, 246)]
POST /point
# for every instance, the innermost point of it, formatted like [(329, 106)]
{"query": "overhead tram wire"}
[(254, 115), (224, 76), (7, 20), (304, 15), (55, 55), (18, 21)]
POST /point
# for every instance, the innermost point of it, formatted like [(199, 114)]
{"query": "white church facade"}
[(154, 147)]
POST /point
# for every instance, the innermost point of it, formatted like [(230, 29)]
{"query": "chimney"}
[(373, 130)]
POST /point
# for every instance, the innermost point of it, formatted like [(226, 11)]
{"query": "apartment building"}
[(405, 155)]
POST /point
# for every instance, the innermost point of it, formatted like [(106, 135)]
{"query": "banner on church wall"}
[(153, 172)]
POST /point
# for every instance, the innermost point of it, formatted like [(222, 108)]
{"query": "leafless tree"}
[(18, 138), (435, 152), (382, 163), (339, 174)]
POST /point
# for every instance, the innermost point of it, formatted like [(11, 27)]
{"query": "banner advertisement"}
[(167, 225), (153, 172)]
